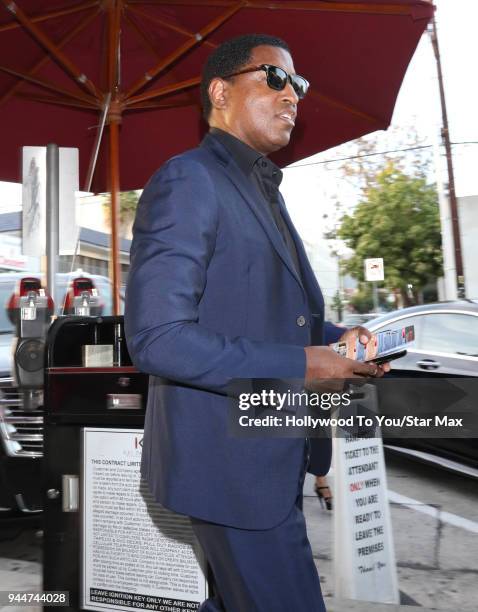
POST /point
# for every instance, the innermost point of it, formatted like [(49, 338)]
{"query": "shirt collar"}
[(246, 157), (268, 170)]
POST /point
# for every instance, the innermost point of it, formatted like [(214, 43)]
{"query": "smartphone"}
[(386, 345), (386, 357)]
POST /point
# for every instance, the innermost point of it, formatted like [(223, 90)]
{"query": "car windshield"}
[(6, 290)]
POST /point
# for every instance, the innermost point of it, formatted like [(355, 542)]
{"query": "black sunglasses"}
[(277, 79)]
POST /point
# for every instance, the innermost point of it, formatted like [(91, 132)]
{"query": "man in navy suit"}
[(220, 289)]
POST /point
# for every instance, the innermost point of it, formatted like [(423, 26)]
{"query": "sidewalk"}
[(18, 574), (437, 562), (347, 605)]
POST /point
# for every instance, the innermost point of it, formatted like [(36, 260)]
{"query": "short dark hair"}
[(230, 57)]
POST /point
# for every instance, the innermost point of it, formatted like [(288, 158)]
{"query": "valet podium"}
[(108, 544)]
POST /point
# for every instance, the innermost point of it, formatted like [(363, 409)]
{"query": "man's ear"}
[(218, 93)]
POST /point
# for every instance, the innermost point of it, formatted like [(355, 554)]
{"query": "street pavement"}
[(435, 523), (435, 527)]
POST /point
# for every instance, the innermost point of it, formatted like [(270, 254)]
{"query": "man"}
[(220, 288)]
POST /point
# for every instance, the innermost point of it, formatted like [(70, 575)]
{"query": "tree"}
[(127, 210), (358, 164), (398, 219), (364, 157), (338, 305), (362, 300)]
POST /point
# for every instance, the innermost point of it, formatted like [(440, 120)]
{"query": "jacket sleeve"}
[(332, 332), (173, 241)]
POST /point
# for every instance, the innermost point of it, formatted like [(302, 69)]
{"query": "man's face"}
[(256, 114)]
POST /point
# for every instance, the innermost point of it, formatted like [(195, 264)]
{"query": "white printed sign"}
[(365, 567), (34, 179), (374, 269), (11, 257), (34, 201), (135, 554)]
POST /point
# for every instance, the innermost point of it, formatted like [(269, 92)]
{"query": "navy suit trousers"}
[(269, 570)]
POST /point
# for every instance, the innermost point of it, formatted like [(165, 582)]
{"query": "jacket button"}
[(300, 321)]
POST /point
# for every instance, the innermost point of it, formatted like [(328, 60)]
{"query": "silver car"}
[(445, 346)]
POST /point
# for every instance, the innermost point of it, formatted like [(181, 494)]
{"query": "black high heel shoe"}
[(323, 499)]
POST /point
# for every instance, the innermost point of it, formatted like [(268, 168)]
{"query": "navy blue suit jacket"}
[(212, 296)]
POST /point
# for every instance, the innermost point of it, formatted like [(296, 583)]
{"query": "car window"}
[(6, 290), (104, 289), (450, 333)]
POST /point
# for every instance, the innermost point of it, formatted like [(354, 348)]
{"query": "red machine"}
[(82, 298)]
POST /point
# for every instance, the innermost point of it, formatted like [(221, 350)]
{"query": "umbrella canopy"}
[(132, 67)]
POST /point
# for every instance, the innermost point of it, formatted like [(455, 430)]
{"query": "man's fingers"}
[(364, 334), (383, 368), (364, 369)]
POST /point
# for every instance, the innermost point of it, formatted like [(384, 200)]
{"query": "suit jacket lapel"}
[(255, 202)]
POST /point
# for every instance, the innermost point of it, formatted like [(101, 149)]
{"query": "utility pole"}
[(445, 135)]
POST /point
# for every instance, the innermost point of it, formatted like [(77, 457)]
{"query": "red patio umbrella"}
[(68, 68)]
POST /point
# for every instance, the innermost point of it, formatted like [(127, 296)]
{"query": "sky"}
[(310, 192)]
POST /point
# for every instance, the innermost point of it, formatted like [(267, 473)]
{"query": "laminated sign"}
[(387, 344), (364, 557), (136, 554)]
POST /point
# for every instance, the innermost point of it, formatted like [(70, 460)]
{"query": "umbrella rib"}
[(166, 24), (390, 8), (186, 2), (163, 91), (310, 5), (347, 107), (45, 16), (148, 44), (169, 105), (45, 41), (51, 86), (54, 100), (98, 139), (83, 23), (184, 48)]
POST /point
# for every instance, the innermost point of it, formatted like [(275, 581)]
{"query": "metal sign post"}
[(50, 180), (52, 216)]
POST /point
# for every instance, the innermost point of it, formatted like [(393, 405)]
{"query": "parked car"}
[(445, 346), (21, 430), (353, 319)]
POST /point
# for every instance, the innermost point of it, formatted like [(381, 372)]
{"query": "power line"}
[(338, 159)]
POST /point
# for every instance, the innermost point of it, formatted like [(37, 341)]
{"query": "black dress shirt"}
[(266, 177)]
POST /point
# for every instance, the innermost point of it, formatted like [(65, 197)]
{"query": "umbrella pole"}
[(115, 270)]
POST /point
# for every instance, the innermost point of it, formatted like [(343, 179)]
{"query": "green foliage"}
[(128, 204), (338, 305), (127, 208), (399, 221), (362, 301)]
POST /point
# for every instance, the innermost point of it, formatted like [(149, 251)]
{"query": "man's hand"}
[(324, 363), (364, 336)]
